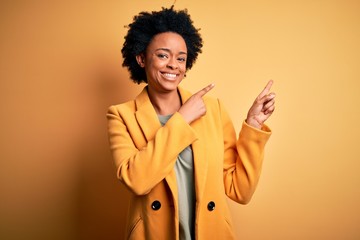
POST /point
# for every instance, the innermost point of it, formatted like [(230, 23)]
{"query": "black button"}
[(156, 205), (211, 206)]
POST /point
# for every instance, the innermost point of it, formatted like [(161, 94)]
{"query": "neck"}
[(165, 103)]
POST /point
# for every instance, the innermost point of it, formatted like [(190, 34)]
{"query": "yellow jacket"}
[(145, 154)]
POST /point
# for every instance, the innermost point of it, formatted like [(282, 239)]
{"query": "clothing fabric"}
[(145, 154), (184, 171)]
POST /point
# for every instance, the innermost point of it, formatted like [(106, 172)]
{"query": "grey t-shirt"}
[(184, 168)]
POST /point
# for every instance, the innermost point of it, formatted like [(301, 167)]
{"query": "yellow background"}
[(60, 68)]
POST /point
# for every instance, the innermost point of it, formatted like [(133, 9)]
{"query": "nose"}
[(172, 64)]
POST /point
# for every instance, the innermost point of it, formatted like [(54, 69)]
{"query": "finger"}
[(266, 89), (205, 90), (270, 110), (268, 105), (267, 98)]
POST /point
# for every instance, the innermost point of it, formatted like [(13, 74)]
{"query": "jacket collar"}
[(146, 115)]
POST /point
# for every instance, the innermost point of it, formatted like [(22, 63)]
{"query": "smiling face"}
[(164, 62)]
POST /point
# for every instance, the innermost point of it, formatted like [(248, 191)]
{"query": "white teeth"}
[(170, 75)]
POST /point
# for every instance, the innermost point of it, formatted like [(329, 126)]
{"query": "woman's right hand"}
[(194, 107)]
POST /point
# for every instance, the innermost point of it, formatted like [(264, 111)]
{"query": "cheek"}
[(153, 63), (157, 65), (182, 67)]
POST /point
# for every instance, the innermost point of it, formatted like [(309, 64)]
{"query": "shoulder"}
[(216, 108), (211, 101), (128, 106), (122, 108)]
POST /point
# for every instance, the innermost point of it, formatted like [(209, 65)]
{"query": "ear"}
[(140, 60)]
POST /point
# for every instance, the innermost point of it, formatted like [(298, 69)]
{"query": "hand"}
[(262, 108), (194, 107)]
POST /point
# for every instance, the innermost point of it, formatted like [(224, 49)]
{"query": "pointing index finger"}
[(266, 89), (205, 90)]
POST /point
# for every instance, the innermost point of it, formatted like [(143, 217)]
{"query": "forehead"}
[(168, 40)]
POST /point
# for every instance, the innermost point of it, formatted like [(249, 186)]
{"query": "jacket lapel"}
[(146, 115), (149, 123)]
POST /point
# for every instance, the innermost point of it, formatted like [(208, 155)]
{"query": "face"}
[(164, 62)]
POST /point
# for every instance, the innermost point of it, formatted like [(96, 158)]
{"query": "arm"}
[(141, 169), (242, 158)]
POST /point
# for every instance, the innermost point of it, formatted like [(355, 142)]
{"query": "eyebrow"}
[(168, 50)]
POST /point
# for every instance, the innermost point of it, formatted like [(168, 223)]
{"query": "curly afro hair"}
[(146, 25)]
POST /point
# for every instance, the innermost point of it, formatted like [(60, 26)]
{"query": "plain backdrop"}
[(60, 69)]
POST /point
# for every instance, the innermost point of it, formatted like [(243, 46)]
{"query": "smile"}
[(170, 76)]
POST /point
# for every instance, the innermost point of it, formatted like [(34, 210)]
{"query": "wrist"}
[(185, 116), (253, 123)]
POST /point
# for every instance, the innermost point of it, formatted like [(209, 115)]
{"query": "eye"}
[(181, 59), (162, 56)]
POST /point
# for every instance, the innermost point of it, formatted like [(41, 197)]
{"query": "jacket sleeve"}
[(243, 158), (141, 169)]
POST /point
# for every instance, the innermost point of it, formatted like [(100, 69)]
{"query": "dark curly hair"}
[(146, 25)]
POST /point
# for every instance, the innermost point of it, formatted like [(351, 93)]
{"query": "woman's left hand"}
[(262, 108)]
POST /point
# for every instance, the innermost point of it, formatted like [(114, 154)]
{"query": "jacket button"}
[(211, 206), (156, 205)]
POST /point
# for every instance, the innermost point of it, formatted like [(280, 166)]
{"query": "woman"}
[(177, 152)]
